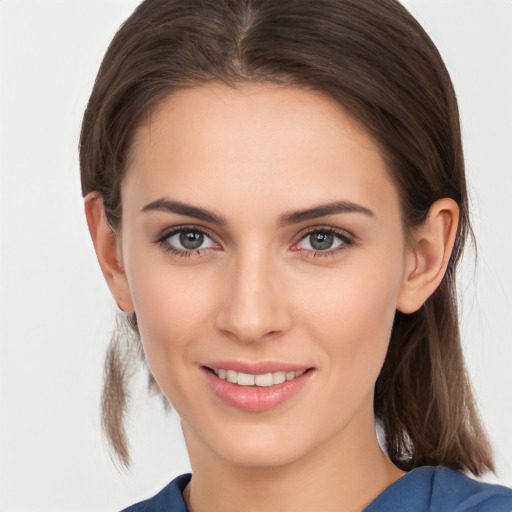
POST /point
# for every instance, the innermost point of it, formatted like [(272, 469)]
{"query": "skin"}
[(258, 290)]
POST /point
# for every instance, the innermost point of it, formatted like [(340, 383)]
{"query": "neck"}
[(341, 475)]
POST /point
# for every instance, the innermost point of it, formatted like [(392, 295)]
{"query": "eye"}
[(186, 241), (326, 241)]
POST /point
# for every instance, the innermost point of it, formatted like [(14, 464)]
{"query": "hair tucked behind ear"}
[(124, 358), (375, 60), (423, 396), (120, 360)]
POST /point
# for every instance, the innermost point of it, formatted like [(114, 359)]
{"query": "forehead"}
[(256, 142)]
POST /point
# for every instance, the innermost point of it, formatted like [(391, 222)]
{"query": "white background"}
[(56, 313)]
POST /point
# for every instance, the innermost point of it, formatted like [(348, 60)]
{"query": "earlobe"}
[(106, 245), (427, 259)]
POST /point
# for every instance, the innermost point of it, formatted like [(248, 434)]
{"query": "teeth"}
[(279, 377), (232, 376), (262, 380), (245, 379)]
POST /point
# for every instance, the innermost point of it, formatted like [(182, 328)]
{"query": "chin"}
[(262, 454), (259, 444)]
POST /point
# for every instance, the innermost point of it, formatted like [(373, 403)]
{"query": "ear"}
[(108, 252), (428, 256)]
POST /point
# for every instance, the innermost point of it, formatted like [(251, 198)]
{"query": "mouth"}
[(260, 387), (263, 380)]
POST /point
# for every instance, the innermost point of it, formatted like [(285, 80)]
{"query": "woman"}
[(277, 199)]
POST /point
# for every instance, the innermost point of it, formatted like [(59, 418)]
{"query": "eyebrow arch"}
[(169, 205), (286, 219), (323, 209)]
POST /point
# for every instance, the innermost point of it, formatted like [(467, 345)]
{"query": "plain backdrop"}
[(57, 315)]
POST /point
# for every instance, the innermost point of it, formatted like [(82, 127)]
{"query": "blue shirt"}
[(424, 489)]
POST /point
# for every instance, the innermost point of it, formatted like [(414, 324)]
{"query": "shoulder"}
[(170, 498), (440, 489), (466, 494)]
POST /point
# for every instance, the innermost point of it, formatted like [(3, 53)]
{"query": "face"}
[(264, 252)]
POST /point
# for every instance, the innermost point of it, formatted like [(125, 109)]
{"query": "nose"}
[(254, 305)]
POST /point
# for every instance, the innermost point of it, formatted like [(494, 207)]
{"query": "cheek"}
[(353, 320), (173, 309)]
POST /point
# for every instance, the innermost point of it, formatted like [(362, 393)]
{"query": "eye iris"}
[(191, 239), (322, 241)]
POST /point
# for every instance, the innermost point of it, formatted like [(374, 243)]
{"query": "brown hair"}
[(374, 59)]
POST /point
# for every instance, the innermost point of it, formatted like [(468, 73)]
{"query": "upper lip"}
[(256, 367)]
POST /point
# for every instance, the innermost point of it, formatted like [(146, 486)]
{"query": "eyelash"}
[(345, 239), (181, 253)]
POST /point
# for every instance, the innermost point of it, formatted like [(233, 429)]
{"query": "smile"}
[(260, 388), (261, 380)]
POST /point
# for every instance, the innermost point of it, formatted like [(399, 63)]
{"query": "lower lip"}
[(255, 398)]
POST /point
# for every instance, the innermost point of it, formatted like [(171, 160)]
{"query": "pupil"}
[(322, 241), (191, 239)]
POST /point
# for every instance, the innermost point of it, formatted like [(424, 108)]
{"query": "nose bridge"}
[(254, 305)]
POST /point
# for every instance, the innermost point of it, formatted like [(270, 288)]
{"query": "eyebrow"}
[(168, 205), (322, 210), (286, 219)]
